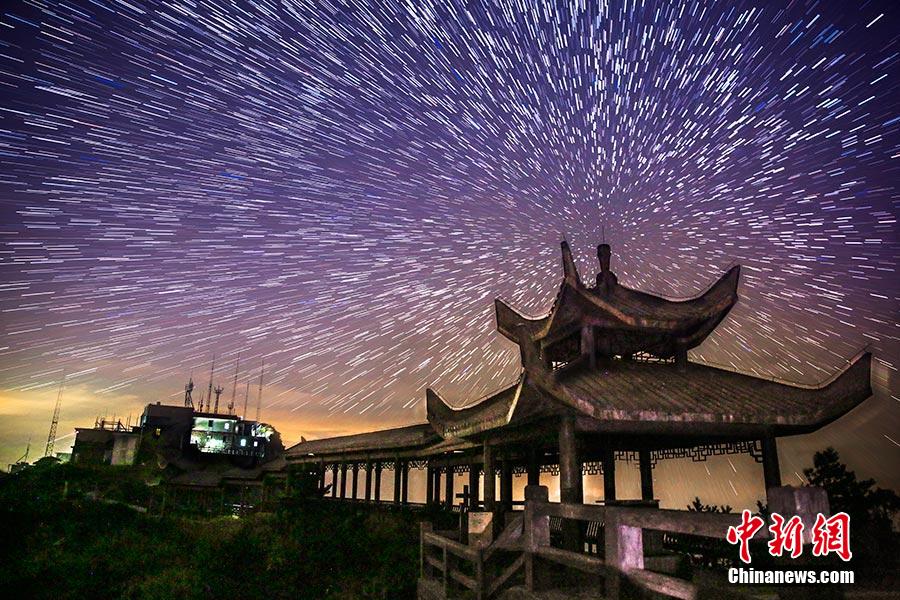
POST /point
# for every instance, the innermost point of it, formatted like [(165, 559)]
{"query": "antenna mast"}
[(219, 389), (262, 369), (188, 401), (234, 386), (210, 392), (51, 438)]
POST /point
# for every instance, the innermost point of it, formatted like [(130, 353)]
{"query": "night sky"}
[(341, 190)]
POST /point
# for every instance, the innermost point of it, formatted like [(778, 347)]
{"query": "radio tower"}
[(262, 368), (210, 392), (219, 389), (246, 398), (188, 401), (234, 386), (51, 438)]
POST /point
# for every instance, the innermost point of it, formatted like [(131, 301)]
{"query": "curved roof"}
[(638, 396), (412, 436), (610, 305), (687, 398)]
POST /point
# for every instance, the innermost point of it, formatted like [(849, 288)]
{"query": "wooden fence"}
[(621, 529)]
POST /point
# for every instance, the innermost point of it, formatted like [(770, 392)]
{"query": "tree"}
[(698, 506), (866, 504)]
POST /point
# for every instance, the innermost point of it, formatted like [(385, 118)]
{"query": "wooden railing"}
[(478, 576), (623, 539), (621, 534)]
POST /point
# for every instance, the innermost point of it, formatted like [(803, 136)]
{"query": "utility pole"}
[(262, 369), (51, 438)]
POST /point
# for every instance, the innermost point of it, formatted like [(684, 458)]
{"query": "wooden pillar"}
[(378, 481), (681, 359), (570, 485), (404, 482), (354, 485), (448, 487), (473, 486), (588, 346), (506, 477), (429, 485), (570, 481), (343, 480), (322, 476), (488, 477), (397, 478), (436, 484), (368, 480), (534, 467), (646, 474), (771, 468), (334, 480), (609, 475)]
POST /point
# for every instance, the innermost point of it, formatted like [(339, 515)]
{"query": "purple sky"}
[(343, 189)]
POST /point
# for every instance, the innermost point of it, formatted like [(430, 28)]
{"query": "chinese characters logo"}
[(829, 534)]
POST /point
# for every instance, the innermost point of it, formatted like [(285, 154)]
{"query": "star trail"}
[(341, 190)]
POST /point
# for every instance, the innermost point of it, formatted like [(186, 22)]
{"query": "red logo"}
[(832, 535), (742, 534), (786, 537), (829, 534)]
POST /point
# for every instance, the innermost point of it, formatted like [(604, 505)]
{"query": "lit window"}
[(243, 441), (227, 426), (255, 444)]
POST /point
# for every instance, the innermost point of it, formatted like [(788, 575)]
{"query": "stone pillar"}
[(506, 477), (570, 482), (534, 467), (334, 480), (489, 498), (343, 480), (404, 483), (646, 474), (397, 480), (429, 486), (535, 532), (378, 481), (609, 475), (473, 486), (354, 485), (624, 548), (448, 487), (771, 469), (368, 481), (806, 502)]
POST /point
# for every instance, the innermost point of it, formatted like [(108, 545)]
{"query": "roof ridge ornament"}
[(606, 279), (570, 271)]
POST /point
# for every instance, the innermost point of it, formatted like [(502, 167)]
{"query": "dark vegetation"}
[(74, 546), (873, 540), (69, 531)]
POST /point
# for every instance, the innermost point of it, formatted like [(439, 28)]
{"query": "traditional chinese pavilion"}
[(605, 377)]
